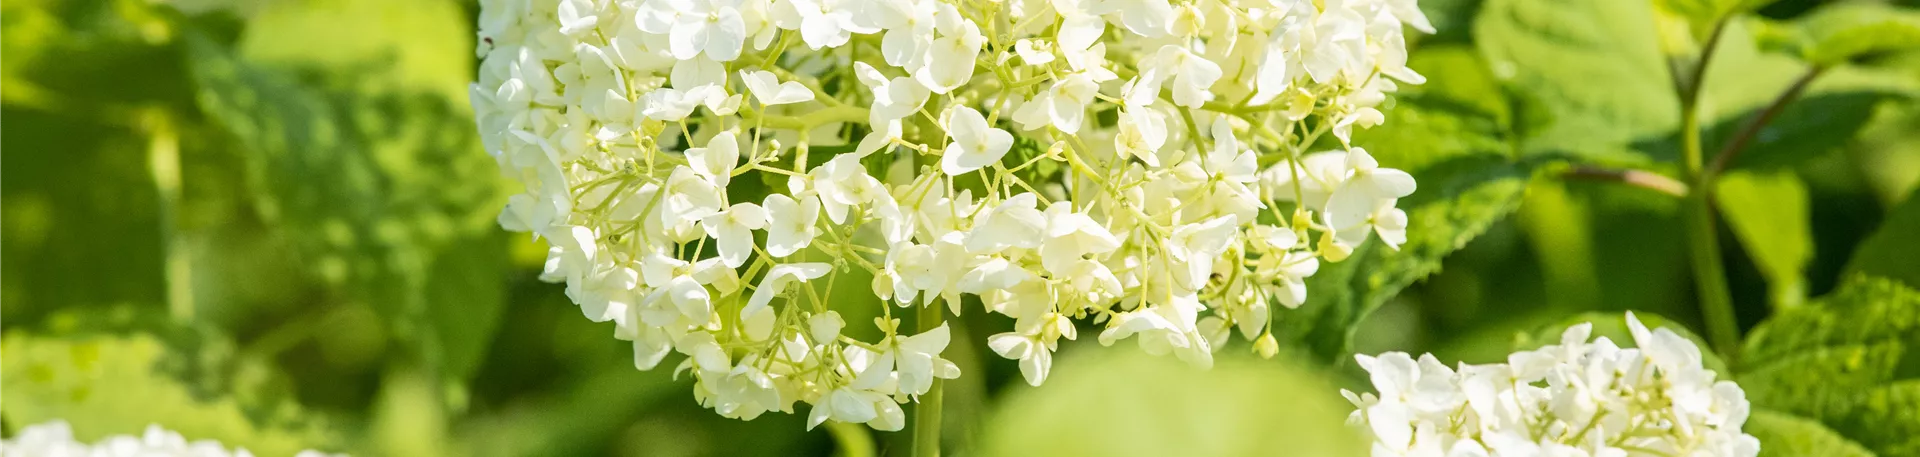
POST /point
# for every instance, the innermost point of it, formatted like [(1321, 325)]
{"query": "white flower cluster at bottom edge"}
[(55, 439), (1577, 398)]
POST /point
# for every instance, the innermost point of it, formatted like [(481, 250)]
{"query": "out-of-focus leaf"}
[(1123, 402), (57, 233), (1894, 250), (1455, 145), (466, 290), (1594, 65), (98, 57), (370, 46), (1613, 326), (109, 385), (1452, 21), (1768, 212), (574, 421), (1785, 434), (385, 192), (1846, 360), (1837, 33), (1887, 151), (1701, 16)]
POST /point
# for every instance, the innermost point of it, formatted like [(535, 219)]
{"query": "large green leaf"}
[(1770, 215), (1453, 139), (1894, 250), (113, 385), (1837, 33), (1847, 361), (1595, 67), (1122, 402), (1785, 434)]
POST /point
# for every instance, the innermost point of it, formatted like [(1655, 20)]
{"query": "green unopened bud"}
[(1266, 346)]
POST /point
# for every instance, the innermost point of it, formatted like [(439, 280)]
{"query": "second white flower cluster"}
[(1577, 398)]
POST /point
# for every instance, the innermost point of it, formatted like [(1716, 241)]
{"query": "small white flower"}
[(791, 225), (917, 360), (768, 89), (712, 27), (1192, 75), (1016, 222), (975, 144), (1364, 202), (950, 60), (1036, 360), (777, 280), (716, 161), (733, 229)]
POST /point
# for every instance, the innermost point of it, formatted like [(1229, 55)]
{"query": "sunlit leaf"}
[(1846, 361), (1837, 33), (1770, 215), (1785, 434), (1594, 65)]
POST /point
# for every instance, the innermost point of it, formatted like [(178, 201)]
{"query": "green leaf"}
[(1613, 325), (1242, 406), (466, 290), (1847, 361), (110, 385), (1837, 33), (1454, 143), (1701, 16), (423, 46), (1894, 250), (1594, 66), (384, 190), (1769, 214), (1785, 434)]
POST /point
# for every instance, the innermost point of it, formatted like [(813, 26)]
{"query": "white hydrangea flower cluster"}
[(704, 171), (1578, 398), (55, 439)]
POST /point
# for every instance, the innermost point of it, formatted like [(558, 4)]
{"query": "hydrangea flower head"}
[(706, 170)]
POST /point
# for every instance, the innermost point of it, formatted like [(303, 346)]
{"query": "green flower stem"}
[(1703, 241), (1710, 276), (926, 416)]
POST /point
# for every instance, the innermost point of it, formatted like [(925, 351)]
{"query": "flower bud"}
[(1266, 346)]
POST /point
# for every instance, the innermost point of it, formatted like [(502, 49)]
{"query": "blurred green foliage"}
[(270, 223)]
